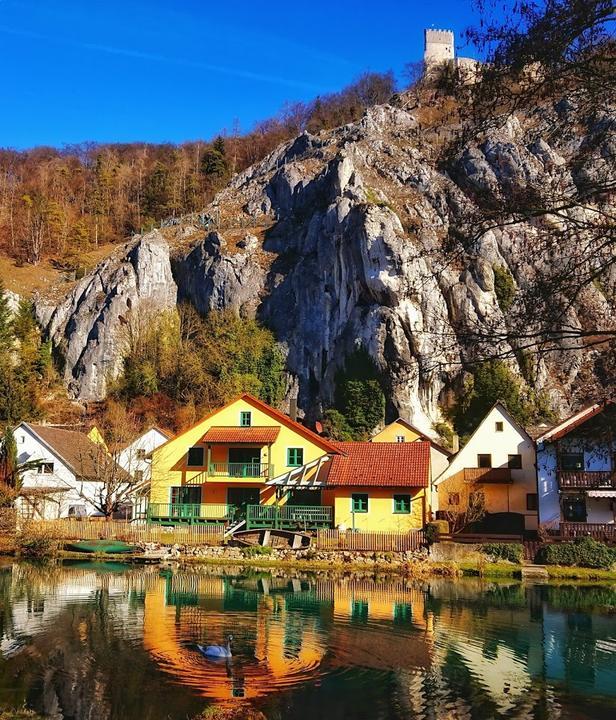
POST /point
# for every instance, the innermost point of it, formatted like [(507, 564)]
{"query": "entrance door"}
[(304, 497), (184, 499), (240, 497), (244, 462)]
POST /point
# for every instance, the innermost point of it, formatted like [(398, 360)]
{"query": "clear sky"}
[(175, 70)]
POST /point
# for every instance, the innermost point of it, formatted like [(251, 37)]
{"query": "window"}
[(400, 438), (514, 462), (531, 501), (574, 509), (499, 426), (453, 499), (295, 457), (402, 504), (22, 439), (140, 454), (484, 461), (570, 462), (45, 468), (138, 475), (359, 502), (245, 418), (195, 457), (77, 511)]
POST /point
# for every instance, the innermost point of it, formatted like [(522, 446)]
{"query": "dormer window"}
[(245, 418)]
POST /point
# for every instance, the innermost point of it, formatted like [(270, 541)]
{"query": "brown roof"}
[(381, 464), (86, 458), (573, 422), (253, 434)]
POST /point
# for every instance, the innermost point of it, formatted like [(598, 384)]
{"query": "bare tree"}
[(461, 502)]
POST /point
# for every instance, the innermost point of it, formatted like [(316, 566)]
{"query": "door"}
[(244, 462), (183, 500), (240, 497)]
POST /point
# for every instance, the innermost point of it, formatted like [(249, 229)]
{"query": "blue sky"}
[(176, 70)]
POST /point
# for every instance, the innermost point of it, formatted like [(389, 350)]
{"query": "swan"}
[(217, 651)]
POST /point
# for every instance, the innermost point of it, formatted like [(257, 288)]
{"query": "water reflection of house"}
[(286, 632)]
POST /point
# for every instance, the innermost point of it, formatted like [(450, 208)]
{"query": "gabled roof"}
[(322, 442), (421, 434), (80, 454), (497, 405), (380, 464), (252, 434), (573, 422)]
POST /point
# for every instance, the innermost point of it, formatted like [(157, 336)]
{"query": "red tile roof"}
[(254, 434), (381, 464)]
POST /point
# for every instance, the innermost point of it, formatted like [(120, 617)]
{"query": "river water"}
[(103, 640)]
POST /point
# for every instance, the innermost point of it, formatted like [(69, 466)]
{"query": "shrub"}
[(431, 532), (511, 552), (38, 545), (583, 552), (504, 287), (256, 551)]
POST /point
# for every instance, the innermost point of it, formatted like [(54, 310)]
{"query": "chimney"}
[(293, 408), (455, 443)]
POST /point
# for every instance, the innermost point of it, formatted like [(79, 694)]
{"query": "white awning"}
[(306, 477), (602, 493)]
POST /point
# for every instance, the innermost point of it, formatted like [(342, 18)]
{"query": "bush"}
[(256, 551), (583, 552), (504, 287), (432, 531), (39, 545), (511, 552)]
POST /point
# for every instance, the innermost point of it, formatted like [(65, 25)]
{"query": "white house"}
[(65, 482), (498, 461), (135, 458)]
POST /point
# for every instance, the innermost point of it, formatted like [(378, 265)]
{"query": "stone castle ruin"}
[(440, 50)]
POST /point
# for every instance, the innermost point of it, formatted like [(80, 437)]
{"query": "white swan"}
[(217, 651)]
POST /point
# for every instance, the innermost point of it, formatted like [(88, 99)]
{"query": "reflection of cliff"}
[(285, 632)]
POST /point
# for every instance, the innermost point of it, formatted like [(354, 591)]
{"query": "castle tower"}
[(439, 46)]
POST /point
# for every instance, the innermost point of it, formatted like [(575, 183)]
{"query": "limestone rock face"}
[(90, 326), (334, 242)]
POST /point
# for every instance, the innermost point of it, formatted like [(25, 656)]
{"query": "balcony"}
[(289, 517), (487, 475), (605, 532), (586, 479), (232, 471), (190, 513)]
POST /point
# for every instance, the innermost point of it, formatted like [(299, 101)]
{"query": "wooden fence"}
[(72, 529), (369, 541)]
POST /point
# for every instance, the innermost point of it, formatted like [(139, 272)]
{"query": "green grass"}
[(578, 573)]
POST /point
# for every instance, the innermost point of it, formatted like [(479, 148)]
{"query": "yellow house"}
[(401, 431), (249, 463)]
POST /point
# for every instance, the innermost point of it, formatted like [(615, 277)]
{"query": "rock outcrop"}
[(91, 326), (340, 245)]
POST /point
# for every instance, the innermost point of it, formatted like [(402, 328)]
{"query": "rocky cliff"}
[(337, 240)]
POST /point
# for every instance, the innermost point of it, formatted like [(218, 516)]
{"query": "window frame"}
[(479, 461), (453, 495), (518, 461), (562, 456), (400, 438), (403, 511), (140, 453), (43, 468), (535, 502), (195, 465), (499, 426), (297, 451), (245, 414), (355, 497)]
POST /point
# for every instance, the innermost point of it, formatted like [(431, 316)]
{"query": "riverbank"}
[(382, 563)]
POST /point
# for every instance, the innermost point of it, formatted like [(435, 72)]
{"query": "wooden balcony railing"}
[(303, 517), (598, 531), (587, 479), (488, 475), (190, 512), (240, 471)]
